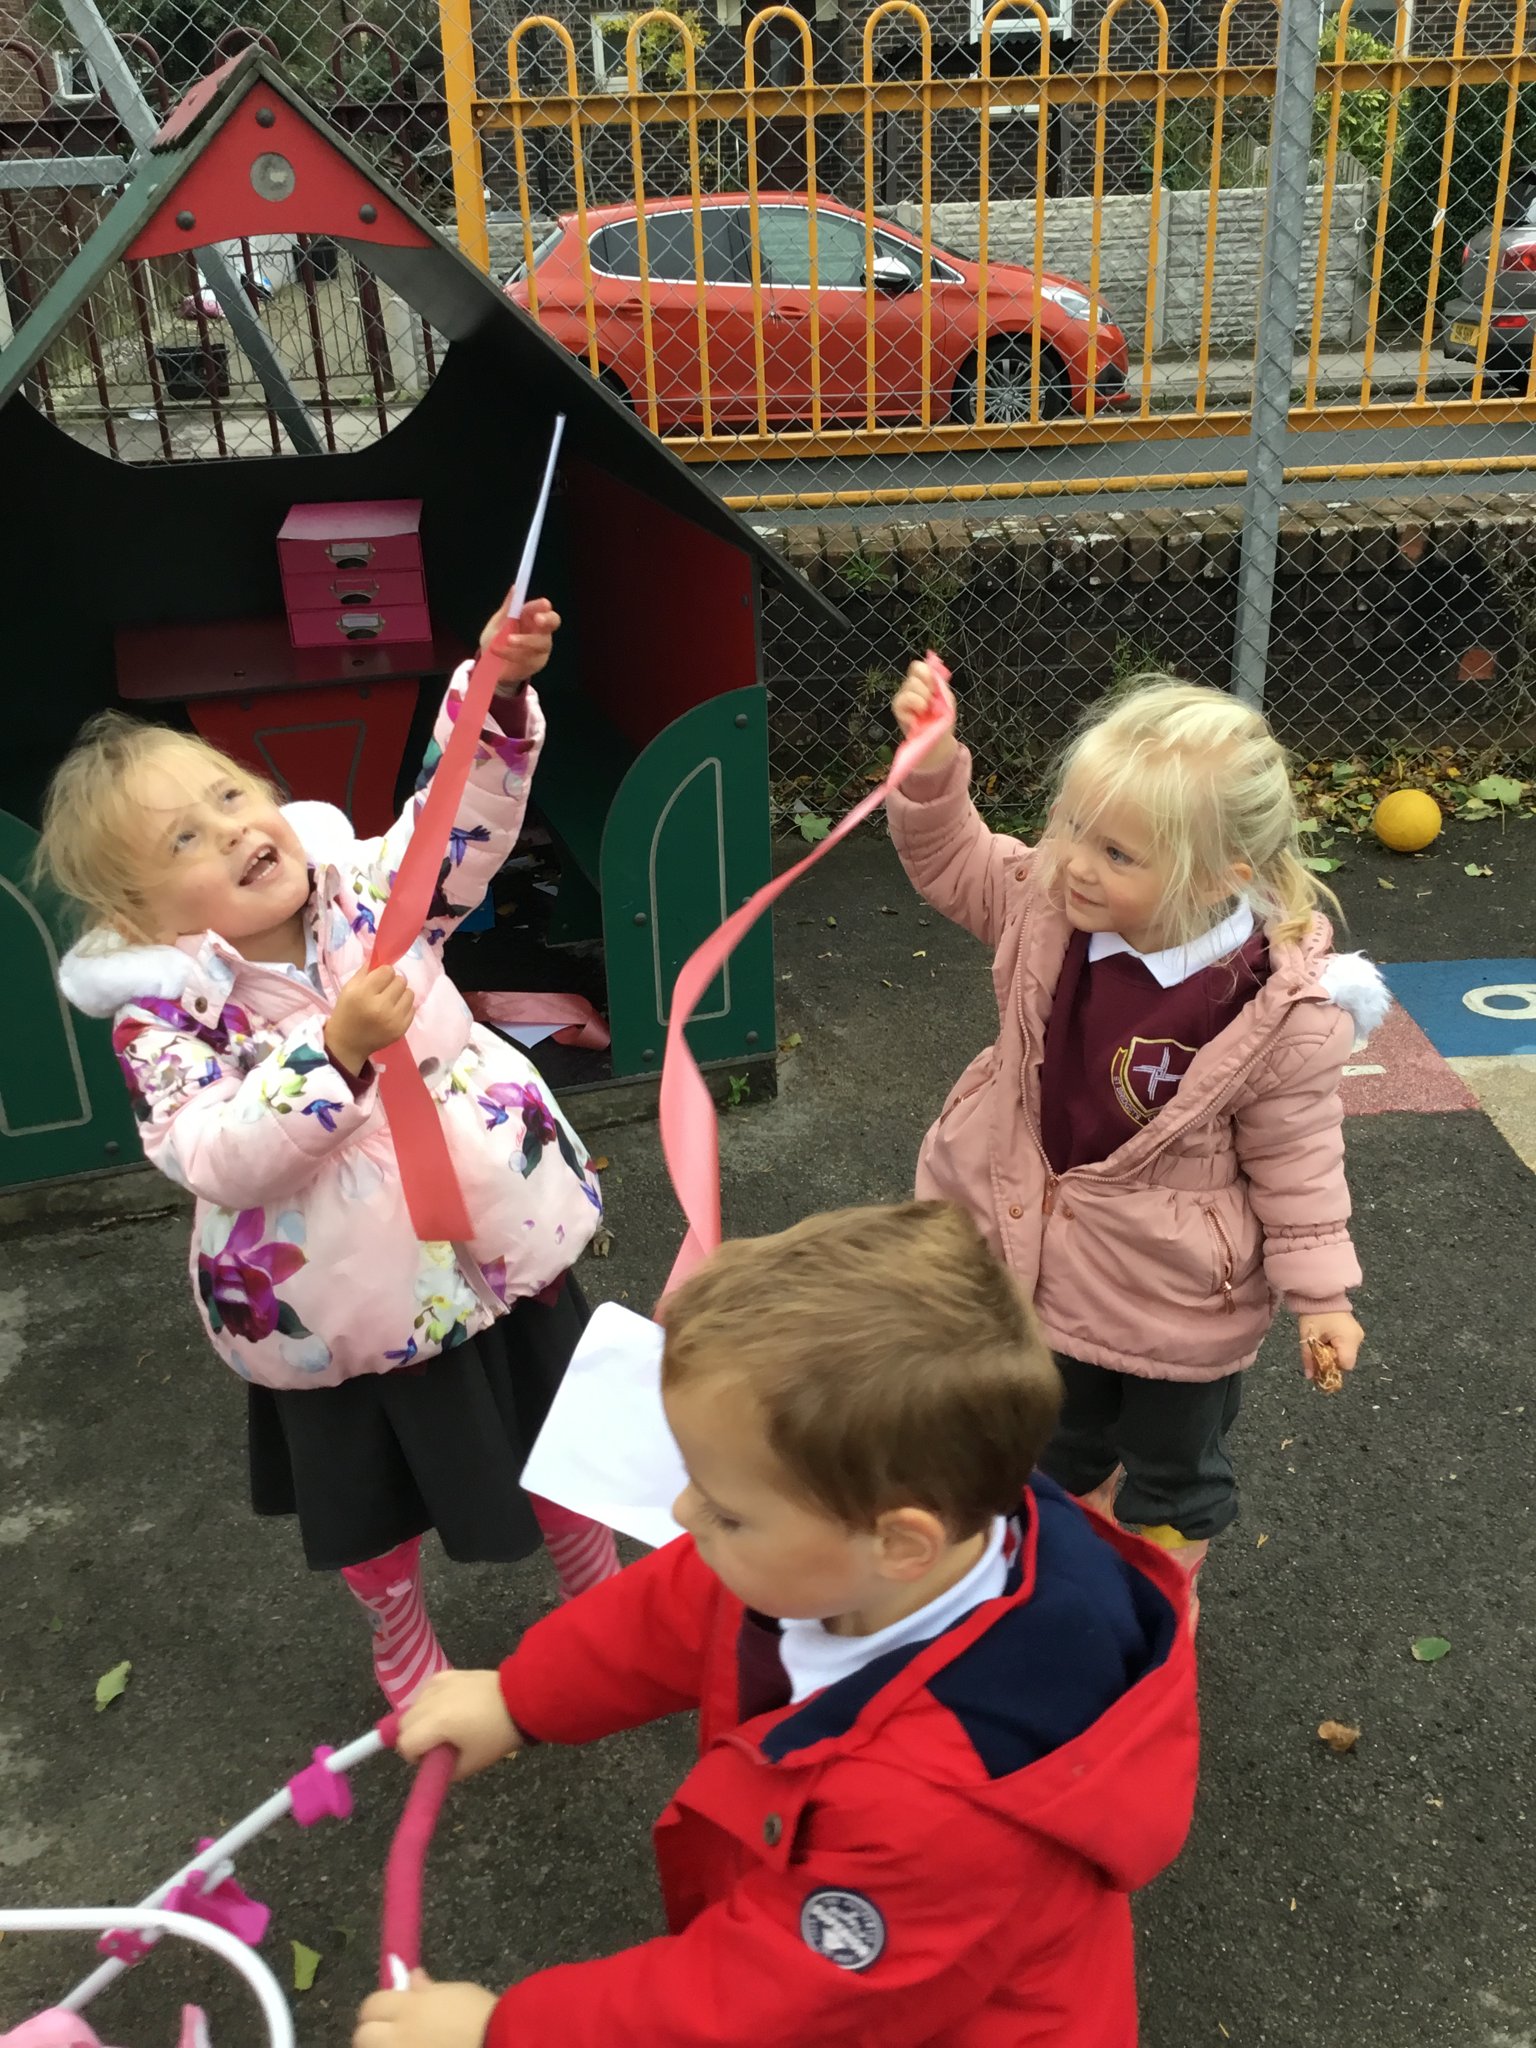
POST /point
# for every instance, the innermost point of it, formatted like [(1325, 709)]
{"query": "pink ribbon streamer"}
[(432, 1190), (690, 1127), (579, 1023)]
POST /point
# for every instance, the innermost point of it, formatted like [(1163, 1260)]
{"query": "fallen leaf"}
[(1476, 809), (56, 1626), (792, 1043), (1286, 1442), (1308, 825), (1343, 771), (811, 827), (600, 1165), (1472, 868), (1261, 1543), (305, 1963), (1293, 1905), (1224, 2034), (1383, 883), (1320, 864), (1338, 1735), (112, 1685), (1430, 1649), (920, 956), (601, 1246), (1499, 789)]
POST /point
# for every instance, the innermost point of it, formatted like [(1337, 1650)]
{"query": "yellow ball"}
[(1407, 821)]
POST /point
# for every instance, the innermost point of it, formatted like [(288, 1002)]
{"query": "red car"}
[(1012, 305)]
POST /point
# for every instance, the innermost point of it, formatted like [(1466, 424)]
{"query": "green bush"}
[(1362, 115), (1189, 128), (1471, 195)]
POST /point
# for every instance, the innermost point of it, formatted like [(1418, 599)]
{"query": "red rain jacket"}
[(936, 1850)]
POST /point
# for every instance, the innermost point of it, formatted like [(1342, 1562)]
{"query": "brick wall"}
[(22, 97), (1397, 621)]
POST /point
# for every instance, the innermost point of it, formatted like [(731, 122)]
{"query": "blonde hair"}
[(894, 1360), (1213, 785), (91, 846)]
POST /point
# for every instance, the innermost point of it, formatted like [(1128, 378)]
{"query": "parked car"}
[(784, 241), (1505, 351)]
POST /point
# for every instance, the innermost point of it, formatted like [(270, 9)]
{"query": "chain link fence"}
[(961, 304)]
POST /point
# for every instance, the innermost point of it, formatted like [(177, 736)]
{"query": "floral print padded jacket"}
[(304, 1262)]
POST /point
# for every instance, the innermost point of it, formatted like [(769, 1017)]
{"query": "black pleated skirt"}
[(390, 1455)]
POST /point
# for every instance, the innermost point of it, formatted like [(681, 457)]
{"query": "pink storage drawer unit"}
[(353, 571), (338, 623), (355, 588)]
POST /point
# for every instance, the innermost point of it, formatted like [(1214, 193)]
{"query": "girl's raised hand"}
[(374, 1010), (912, 703), (528, 650)]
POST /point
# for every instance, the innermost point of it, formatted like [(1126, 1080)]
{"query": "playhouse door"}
[(63, 1107), (686, 841)]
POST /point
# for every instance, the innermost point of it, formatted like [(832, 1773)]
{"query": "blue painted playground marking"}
[(1470, 1009)]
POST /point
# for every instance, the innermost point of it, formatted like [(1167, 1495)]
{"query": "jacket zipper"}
[(1228, 1262), (950, 1108), (1052, 1178)]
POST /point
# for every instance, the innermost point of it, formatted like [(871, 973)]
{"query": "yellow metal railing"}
[(661, 143)]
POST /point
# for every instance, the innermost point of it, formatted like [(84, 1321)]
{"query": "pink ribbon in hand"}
[(432, 1190), (690, 1128)]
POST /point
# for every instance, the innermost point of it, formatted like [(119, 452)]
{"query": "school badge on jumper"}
[(1146, 1075)]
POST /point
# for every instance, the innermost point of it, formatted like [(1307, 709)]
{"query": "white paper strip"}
[(536, 528), (606, 1450)]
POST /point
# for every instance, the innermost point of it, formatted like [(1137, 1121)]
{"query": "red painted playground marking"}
[(1400, 1069)]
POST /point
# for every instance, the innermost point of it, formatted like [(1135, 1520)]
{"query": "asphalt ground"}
[(1383, 1897)]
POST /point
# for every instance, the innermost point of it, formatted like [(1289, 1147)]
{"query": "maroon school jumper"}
[(1118, 1043)]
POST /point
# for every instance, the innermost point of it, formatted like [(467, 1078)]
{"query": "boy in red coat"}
[(947, 1716)]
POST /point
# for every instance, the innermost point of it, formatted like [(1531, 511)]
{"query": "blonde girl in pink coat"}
[(1154, 1141)]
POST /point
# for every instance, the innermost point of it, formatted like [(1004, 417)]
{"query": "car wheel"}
[(611, 381), (1009, 373)]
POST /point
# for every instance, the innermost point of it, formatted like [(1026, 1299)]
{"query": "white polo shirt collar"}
[(1178, 963)]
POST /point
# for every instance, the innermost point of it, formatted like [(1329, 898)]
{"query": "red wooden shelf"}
[(329, 723)]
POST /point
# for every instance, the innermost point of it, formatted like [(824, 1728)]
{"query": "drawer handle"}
[(350, 554), (361, 625), (356, 592)]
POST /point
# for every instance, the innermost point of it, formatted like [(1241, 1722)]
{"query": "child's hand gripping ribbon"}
[(690, 1129), (432, 1190)]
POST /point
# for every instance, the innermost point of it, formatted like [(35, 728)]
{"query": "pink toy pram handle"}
[(400, 1928)]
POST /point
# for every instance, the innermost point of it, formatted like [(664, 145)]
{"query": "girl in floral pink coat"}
[(393, 1386)]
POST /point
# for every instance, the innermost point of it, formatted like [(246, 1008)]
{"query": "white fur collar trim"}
[(104, 971), (1357, 985), (325, 833)]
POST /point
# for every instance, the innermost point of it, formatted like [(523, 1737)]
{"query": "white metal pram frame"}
[(152, 1918), (157, 1921)]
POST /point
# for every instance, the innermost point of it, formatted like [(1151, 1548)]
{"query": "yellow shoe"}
[(1188, 1556)]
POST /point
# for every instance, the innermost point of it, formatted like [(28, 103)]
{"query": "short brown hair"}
[(87, 848), (896, 1363)]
